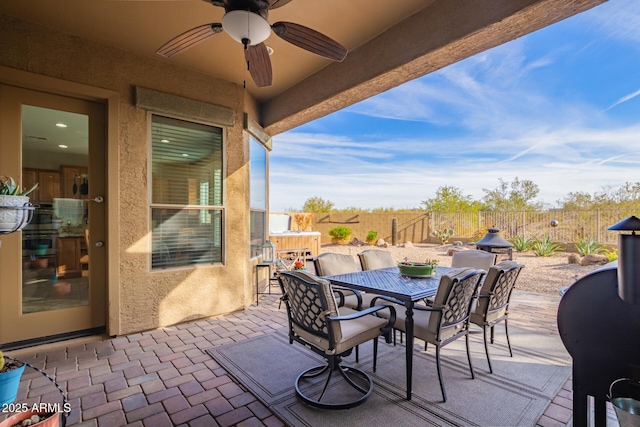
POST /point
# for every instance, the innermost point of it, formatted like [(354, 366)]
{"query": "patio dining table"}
[(389, 282)]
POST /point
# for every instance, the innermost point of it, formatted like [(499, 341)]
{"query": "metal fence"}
[(572, 225)]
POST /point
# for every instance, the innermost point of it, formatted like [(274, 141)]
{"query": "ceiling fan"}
[(246, 22)]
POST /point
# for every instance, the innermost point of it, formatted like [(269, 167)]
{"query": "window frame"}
[(264, 210), (151, 206)]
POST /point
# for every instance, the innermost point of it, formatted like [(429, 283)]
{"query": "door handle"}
[(99, 244), (97, 199)]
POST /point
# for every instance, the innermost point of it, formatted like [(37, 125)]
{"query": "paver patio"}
[(164, 377)]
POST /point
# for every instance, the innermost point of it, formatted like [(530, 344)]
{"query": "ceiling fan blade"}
[(216, 2), (259, 64), (274, 4), (189, 39), (310, 40)]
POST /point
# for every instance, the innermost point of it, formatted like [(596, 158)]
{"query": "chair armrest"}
[(374, 301), (340, 291), (386, 329)]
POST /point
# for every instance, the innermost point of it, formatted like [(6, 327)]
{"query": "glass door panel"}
[(55, 154)]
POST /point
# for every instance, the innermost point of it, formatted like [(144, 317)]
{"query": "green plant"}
[(588, 246), (1, 361), (340, 234), (544, 247), (443, 235), (611, 255), (522, 243), (372, 237), (9, 187)]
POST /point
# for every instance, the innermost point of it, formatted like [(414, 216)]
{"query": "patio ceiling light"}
[(246, 27)]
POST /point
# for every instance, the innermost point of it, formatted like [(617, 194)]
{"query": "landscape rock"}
[(457, 243), (451, 251), (381, 243), (408, 244), (356, 242), (594, 259), (574, 259)]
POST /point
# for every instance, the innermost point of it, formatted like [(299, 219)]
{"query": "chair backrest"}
[(498, 287), (373, 259), (330, 264), (309, 299), (454, 297), (473, 258)]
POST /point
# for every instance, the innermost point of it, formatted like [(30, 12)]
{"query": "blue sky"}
[(560, 107)]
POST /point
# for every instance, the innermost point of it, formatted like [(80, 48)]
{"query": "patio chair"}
[(473, 258), (373, 259), (331, 264), (492, 306), (448, 318), (316, 322)]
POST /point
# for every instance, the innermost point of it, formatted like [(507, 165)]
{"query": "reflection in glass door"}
[(55, 249)]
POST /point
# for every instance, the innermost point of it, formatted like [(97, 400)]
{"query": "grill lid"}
[(493, 239)]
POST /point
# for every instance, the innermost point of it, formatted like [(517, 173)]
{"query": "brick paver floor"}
[(164, 377)]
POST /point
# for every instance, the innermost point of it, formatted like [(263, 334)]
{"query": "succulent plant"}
[(9, 187)]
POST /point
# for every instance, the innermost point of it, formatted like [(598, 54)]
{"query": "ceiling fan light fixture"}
[(242, 24)]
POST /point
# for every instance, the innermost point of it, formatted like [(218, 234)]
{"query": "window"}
[(187, 211), (258, 195)]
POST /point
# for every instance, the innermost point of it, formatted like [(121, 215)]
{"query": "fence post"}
[(599, 237), (524, 223), (394, 230)]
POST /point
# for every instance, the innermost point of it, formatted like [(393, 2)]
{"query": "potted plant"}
[(13, 201), (35, 415), (10, 374)]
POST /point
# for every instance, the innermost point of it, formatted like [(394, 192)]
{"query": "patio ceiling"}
[(389, 42)]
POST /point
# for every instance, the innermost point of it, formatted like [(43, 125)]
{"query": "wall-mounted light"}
[(628, 260)]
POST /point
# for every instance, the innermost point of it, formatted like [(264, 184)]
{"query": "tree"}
[(515, 196), (317, 205), (577, 200), (451, 199)]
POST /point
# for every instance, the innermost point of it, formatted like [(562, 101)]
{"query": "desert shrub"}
[(544, 246), (303, 220), (443, 235), (522, 243), (611, 255), (588, 246), (340, 234), (478, 235), (372, 237)]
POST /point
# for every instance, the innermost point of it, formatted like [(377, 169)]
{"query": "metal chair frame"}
[(314, 320)]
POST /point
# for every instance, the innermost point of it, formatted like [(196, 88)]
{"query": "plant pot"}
[(61, 289), (52, 421), (9, 382), (13, 219), (40, 263)]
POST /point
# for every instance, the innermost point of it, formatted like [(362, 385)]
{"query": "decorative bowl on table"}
[(417, 269)]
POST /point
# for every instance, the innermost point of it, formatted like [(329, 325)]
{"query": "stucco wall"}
[(147, 300)]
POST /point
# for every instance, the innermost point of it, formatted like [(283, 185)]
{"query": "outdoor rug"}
[(516, 394)]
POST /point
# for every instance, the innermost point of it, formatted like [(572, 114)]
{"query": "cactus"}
[(443, 235)]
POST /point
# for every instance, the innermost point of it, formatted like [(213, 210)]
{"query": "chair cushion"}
[(375, 259), (330, 264), (474, 259)]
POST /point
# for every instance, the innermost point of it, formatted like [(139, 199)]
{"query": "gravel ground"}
[(543, 275)]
